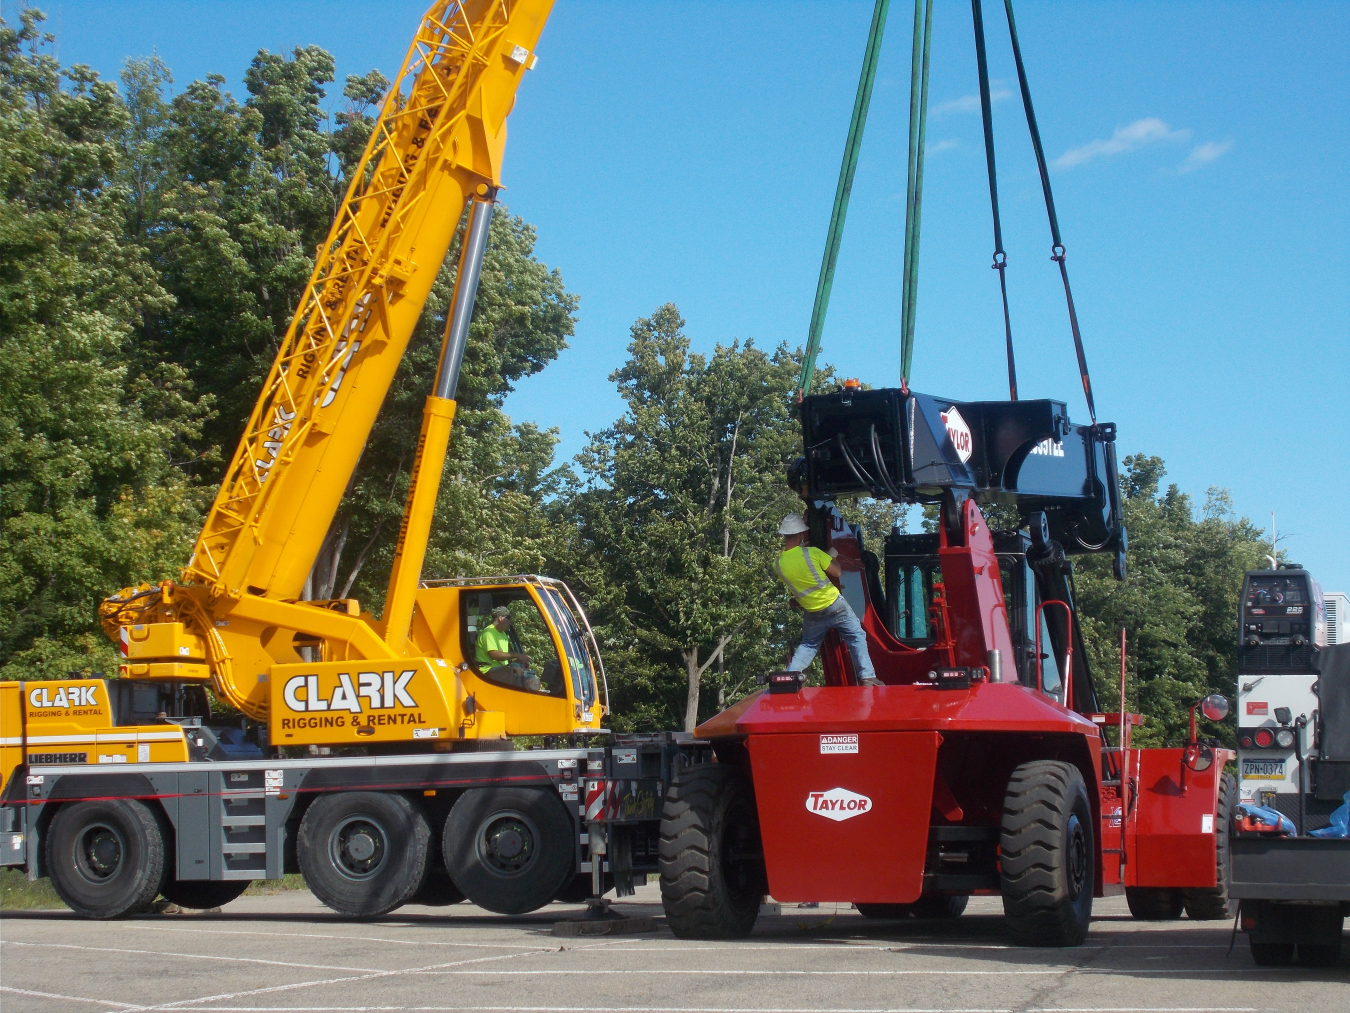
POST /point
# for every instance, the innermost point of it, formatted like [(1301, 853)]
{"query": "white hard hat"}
[(792, 525)]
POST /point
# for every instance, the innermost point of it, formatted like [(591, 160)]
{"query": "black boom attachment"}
[(914, 448)]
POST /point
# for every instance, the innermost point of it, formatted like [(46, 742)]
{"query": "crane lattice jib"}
[(438, 139)]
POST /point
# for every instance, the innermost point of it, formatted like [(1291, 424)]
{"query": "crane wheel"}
[(200, 894), (712, 864), (1150, 904), (438, 890), (1047, 855), (509, 850), (363, 853), (1213, 903), (106, 859)]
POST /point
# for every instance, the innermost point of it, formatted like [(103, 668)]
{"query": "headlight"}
[(1284, 738)]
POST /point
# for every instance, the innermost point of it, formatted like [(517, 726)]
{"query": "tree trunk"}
[(695, 674)]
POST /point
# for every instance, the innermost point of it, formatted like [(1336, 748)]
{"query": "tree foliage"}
[(152, 250), (676, 514)]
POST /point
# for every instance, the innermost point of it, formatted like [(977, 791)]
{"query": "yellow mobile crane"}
[(407, 685), (325, 672)]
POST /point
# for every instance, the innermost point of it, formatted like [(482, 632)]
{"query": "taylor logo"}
[(958, 432), (838, 744), (838, 804)]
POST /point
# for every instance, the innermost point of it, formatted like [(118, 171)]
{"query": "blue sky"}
[(688, 152)]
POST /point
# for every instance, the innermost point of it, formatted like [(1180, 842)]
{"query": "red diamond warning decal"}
[(958, 432), (838, 804)]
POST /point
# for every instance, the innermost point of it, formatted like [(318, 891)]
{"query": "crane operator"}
[(495, 658), (807, 572)]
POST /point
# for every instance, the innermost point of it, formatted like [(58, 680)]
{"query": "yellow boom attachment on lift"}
[(324, 672)]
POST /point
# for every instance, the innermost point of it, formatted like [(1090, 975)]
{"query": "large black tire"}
[(509, 850), (1213, 903), (712, 864), (1047, 855), (106, 859), (438, 890), (201, 894), (1154, 905), (363, 853), (1273, 954), (885, 912), (939, 906)]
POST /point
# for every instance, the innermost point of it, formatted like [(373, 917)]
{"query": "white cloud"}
[(1203, 154), (946, 145), (969, 103), (1126, 138)]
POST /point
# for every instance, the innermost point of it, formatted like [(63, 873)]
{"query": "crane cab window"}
[(509, 642)]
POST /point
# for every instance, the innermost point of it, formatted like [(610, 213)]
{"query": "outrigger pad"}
[(914, 448)]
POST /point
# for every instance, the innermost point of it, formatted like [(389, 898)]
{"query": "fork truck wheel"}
[(1213, 903), (509, 850), (712, 865), (1154, 905), (363, 853), (106, 859), (201, 894), (1047, 856)]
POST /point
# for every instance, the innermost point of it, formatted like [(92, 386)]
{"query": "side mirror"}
[(1214, 707), (1198, 756)]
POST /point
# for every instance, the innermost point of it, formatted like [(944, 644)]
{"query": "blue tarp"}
[(1340, 821)]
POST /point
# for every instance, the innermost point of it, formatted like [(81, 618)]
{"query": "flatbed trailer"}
[(519, 828)]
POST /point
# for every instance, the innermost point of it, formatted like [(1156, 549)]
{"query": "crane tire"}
[(363, 853), (106, 858), (712, 869), (201, 894), (1151, 904), (1047, 857), (509, 850), (1212, 903), (438, 890)]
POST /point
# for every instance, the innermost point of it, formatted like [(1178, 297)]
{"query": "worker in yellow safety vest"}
[(807, 572)]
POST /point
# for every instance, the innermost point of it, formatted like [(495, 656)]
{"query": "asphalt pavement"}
[(286, 953)]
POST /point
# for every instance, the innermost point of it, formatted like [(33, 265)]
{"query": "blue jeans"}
[(837, 616)]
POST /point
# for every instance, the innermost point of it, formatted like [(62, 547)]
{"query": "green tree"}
[(90, 497), (1179, 602), (676, 512), (490, 515)]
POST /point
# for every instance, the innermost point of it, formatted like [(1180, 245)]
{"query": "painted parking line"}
[(190, 956), (67, 998)]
